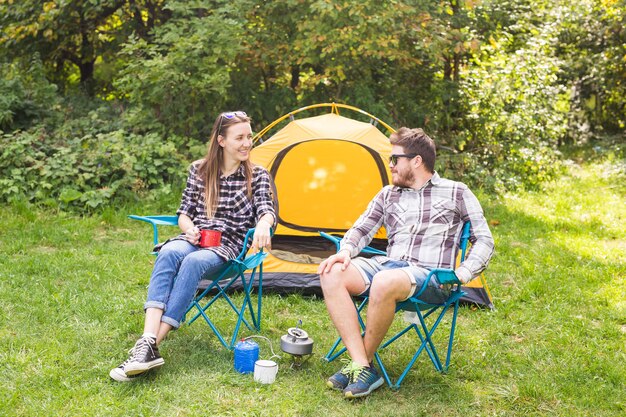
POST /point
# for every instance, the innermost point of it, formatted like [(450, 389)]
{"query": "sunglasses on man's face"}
[(229, 115), (393, 159)]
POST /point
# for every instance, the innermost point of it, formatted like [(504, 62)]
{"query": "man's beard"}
[(404, 180)]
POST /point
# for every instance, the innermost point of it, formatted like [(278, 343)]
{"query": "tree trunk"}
[(86, 76)]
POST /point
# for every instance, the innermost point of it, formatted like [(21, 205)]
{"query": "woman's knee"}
[(175, 249), (199, 263)]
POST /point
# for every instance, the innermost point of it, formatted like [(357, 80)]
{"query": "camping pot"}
[(296, 342)]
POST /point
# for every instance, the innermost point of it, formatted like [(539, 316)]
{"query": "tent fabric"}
[(326, 170)]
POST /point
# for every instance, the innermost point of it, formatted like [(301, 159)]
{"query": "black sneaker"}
[(119, 375), (363, 382), (143, 357)]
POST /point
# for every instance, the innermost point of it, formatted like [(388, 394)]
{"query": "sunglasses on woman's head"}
[(229, 115), (393, 159)]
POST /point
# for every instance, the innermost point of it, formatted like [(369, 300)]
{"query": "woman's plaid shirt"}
[(236, 213)]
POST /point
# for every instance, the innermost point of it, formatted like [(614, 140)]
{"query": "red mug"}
[(210, 238)]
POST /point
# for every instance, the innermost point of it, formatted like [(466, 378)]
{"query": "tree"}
[(70, 36), (176, 82)]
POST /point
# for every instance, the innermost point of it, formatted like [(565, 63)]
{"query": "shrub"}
[(25, 94), (87, 172)]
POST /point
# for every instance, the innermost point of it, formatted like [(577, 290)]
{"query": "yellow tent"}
[(326, 169)]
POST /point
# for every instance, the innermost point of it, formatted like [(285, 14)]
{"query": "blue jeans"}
[(175, 277)]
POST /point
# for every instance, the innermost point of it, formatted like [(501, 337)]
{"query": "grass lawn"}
[(72, 289)]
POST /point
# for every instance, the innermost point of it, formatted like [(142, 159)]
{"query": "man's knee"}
[(338, 279), (332, 279)]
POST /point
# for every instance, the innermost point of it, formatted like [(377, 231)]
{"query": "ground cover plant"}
[(72, 287)]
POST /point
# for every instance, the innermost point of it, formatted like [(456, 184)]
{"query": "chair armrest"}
[(156, 221), (247, 242), (443, 276), (368, 249)]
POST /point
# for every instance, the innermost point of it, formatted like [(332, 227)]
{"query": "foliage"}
[(593, 43), (177, 81), (70, 36), (26, 96), (72, 289), (499, 84), (513, 117), (87, 171)]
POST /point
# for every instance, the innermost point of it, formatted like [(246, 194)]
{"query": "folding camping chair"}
[(423, 310), (242, 268)]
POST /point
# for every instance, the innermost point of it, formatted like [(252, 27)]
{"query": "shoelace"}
[(352, 369), (140, 349)]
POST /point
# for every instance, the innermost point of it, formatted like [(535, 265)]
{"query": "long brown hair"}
[(210, 166)]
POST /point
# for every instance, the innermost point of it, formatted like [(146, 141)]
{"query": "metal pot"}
[(296, 342)]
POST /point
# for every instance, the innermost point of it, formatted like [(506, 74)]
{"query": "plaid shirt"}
[(424, 226), (235, 213)]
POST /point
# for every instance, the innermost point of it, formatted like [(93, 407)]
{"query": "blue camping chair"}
[(428, 320), (242, 268)]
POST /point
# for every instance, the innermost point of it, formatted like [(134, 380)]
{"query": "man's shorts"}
[(417, 275)]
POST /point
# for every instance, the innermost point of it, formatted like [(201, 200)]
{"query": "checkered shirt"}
[(424, 226), (235, 213)]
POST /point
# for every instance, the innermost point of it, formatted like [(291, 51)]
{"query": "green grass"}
[(71, 291)]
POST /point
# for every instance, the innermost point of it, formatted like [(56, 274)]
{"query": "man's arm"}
[(364, 229), (482, 248)]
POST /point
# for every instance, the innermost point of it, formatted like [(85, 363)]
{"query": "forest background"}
[(109, 100)]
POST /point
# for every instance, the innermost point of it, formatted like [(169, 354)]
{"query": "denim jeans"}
[(417, 275), (175, 277)]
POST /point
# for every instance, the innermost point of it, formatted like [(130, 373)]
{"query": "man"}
[(423, 215)]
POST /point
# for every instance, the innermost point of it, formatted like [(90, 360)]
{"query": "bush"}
[(25, 94), (515, 115), (88, 172)]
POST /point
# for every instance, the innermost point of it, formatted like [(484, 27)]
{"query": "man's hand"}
[(463, 274), (343, 257)]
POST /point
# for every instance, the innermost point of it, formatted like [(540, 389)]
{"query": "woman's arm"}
[(192, 233), (264, 206)]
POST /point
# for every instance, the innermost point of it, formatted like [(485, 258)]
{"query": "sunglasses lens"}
[(393, 159)]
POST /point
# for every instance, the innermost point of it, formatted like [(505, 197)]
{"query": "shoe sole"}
[(372, 387), (143, 367), (119, 376)]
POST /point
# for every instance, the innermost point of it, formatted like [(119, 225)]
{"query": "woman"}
[(224, 192)]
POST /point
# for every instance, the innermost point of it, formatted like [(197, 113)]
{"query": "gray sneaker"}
[(363, 381), (340, 379)]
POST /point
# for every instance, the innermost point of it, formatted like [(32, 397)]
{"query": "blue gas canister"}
[(246, 354)]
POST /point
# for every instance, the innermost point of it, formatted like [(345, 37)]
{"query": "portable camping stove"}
[(298, 344)]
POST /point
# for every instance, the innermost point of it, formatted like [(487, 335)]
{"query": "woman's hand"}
[(262, 236), (193, 235)]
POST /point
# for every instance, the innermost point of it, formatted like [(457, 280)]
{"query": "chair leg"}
[(259, 298), (240, 311), (452, 330)]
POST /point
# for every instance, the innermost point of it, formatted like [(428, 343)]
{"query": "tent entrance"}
[(331, 182), (309, 249)]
